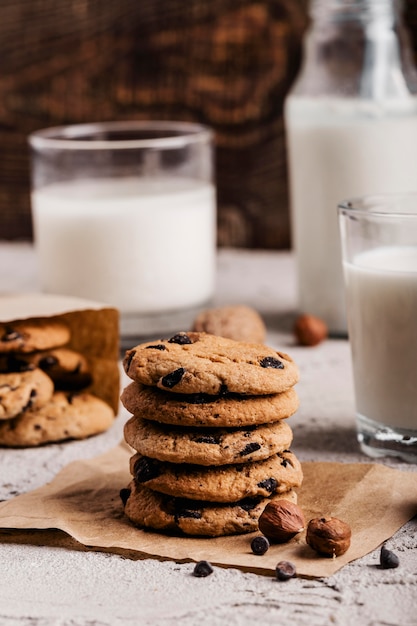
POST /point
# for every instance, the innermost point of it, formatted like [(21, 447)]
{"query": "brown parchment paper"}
[(94, 331), (83, 501)]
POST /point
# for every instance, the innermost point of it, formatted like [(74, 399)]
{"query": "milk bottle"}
[(351, 121)]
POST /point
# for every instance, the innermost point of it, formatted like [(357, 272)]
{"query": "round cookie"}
[(21, 391), (150, 509), (226, 483), (67, 368), (202, 363), (205, 410), (206, 446), (65, 416), (32, 335), (239, 322)]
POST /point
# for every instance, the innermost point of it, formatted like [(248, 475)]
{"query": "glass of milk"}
[(379, 253), (125, 213)]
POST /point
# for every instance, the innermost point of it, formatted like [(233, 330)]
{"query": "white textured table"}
[(53, 586)]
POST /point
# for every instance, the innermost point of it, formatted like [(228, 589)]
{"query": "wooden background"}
[(226, 63)]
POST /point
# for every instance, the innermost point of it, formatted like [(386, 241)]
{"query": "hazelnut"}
[(328, 536), (310, 330), (281, 520)]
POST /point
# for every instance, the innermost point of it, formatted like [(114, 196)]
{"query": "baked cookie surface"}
[(32, 335), (229, 483), (206, 446), (151, 509), (202, 363), (67, 368), (65, 416), (21, 391), (238, 322), (205, 410)]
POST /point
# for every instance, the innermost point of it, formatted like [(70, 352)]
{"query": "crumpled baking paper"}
[(83, 501)]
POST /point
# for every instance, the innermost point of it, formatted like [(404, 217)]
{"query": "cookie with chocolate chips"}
[(214, 446), (203, 410), (64, 416), (201, 363), (32, 335), (225, 483), (238, 322), (21, 391), (67, 368), (150, 509)]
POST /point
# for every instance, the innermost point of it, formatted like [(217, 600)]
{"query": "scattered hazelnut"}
[(310, 330), (329, 536), (281, 520)]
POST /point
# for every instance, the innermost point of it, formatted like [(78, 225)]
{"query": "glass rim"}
[(384, 205), (69, 137)]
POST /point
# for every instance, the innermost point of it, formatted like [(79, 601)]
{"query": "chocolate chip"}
[(223, 390), (14, 364), (47, 362), (202, 569), (251, 447), (124, 495), (212, 439), (269, 361), (145, 469), (158, 346), (259, 545), (128, 360), (11, 335), (181, 338), (182, 509), (248, 504), (270, 484), (388, 559), (285, 570), (173, 378)]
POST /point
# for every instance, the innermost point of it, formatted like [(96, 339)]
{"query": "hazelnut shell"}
[(329, 536), (281, 520)]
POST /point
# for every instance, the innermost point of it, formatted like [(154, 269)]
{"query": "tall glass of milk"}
[(379, 250), (125, 213), (351, 121)]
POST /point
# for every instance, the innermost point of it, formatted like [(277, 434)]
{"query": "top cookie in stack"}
[(211, 445)]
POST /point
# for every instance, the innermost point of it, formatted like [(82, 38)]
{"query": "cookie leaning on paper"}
[(20, 391), (213, 446), (151, 509), (32, 335), (202, 363), (65, 416)]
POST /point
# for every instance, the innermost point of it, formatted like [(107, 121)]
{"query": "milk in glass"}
[(142, 245), (381, 292)]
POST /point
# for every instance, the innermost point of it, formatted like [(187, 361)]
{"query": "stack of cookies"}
[(209, 431), (42, 387)]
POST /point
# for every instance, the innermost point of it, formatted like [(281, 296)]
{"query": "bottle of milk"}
[(351, 121)]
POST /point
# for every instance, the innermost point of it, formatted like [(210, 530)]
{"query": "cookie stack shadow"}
[(209, 431)]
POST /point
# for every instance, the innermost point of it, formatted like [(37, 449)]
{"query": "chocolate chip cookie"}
[(65, 416), (239, 322), (150, 509), (226, 483), (202, 363), (214, 446), (32, 335), (202, 410), (67, 368), (21, 391)]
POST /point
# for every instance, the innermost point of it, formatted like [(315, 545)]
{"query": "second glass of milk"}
[(379, 250), (124, 213)]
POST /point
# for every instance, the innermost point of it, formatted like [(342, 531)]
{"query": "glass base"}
[(377, 440), (136, 328)]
